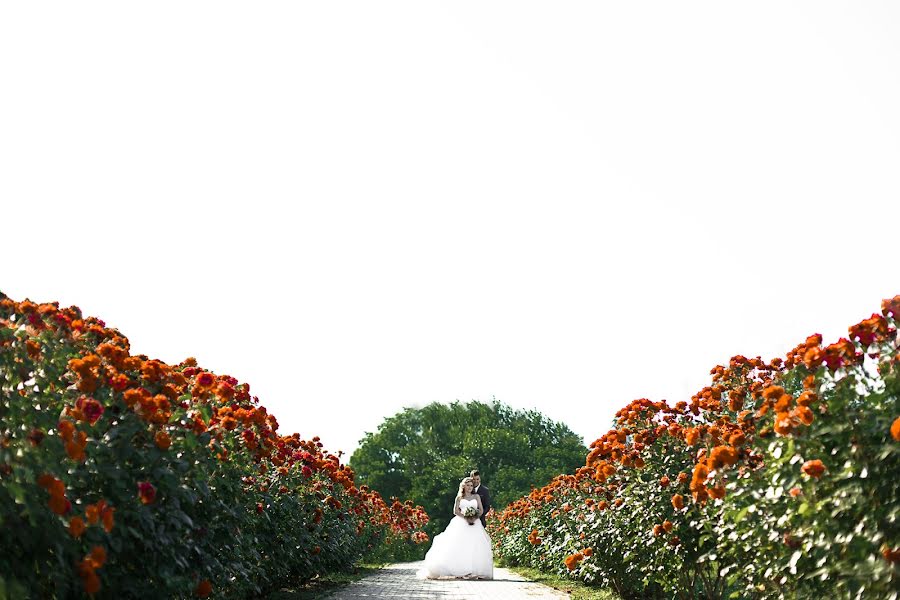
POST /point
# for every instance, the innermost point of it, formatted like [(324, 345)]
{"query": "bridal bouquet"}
[(470, 513)]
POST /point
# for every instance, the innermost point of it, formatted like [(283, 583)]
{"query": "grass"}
[(577, 590), (322, 586)]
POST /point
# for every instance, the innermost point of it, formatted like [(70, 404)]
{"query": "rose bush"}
[(778, 480), (121, 474)]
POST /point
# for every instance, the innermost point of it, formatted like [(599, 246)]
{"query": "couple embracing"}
[(463, 549)]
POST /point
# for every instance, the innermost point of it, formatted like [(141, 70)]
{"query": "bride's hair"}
[(462, 484)]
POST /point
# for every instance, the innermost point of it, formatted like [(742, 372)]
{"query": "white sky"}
[(361, 206)]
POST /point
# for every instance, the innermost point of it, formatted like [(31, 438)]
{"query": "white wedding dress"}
[(462, 550)]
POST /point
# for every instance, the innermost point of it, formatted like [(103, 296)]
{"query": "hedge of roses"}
[(778, 480), (122, 476)]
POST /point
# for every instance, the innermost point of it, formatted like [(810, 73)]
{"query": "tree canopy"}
[(422, 453)]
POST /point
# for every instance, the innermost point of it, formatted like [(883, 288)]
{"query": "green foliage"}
[(826, 538), (234, 505), (774, 522), (422, 453)]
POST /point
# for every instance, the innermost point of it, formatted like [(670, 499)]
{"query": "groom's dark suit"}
[(485, 501)]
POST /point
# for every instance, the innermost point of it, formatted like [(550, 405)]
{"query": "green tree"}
[(422, 453)]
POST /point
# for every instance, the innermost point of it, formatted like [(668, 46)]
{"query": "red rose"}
[(147, 492)]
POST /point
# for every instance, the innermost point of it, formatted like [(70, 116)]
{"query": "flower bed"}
[(121, 475), (778, 480)]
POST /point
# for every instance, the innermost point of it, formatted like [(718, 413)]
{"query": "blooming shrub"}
[(121, 474), (778, 480)]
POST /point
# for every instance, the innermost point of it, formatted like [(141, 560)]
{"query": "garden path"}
[(398, 582)]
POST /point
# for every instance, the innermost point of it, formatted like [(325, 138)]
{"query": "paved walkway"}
[(399, 582)]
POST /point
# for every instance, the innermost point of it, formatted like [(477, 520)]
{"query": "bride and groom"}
[(463, 549)]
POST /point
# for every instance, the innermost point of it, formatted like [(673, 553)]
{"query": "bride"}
[(464, 548)]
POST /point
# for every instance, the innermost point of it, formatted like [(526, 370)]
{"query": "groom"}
[(484, 493)]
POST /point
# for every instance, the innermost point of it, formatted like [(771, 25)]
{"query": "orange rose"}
[(204, 589), (106, 515), (133, 396), (701, 472), (804, 414), (59, 504), (783, 424), (92, 512), (91, 583), (66, 430), (772, 392), (98, 556), (691, 436), (76, 527), (722, 456), (573, 560), (163, 441), (806, 398), (813, 468), (108, 521), (783, 403)]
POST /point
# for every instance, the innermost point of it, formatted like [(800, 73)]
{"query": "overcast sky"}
[(362, 206)]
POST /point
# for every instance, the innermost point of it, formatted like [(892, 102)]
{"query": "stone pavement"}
[(399, 582)]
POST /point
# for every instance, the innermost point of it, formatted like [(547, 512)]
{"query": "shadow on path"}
[(399, 581)]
